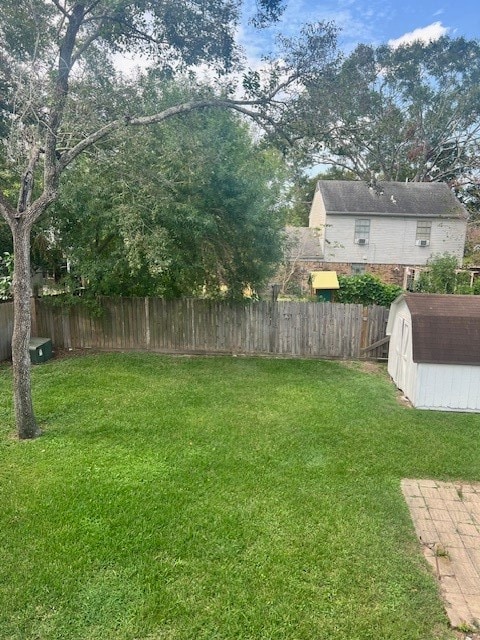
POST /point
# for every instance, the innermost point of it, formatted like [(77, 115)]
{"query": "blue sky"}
[(373, 21)]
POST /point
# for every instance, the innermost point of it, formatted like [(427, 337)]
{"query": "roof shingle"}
[(303, 243), (445, 328), (433, 199)]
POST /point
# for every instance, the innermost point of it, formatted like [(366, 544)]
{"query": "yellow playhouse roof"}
[(324, 280)]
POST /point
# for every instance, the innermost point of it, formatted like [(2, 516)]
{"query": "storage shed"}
[(434, 352)]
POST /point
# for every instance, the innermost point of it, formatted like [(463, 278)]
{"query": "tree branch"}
[(186, 107), (60, 8), (26, 185), (91, 38), (7, 210)]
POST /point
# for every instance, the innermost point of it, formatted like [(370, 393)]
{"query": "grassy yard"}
[(219, 498)]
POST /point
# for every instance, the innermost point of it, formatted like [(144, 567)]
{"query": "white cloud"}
[(427, 34)]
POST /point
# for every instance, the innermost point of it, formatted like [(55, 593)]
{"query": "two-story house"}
[(390, 230)]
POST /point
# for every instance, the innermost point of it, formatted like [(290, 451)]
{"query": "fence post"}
[(273, 327), (364, 332), (67, 338), (33, 315), (273, 341), (147, 323)]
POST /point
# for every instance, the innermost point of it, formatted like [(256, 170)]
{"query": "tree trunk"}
[(22, 394)]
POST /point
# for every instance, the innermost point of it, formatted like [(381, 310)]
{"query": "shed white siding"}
[(401, 367), (444, 387), (447, 387), (391, 239)]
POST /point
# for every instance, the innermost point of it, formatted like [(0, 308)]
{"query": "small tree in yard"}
[(54, 57), (442, 276)]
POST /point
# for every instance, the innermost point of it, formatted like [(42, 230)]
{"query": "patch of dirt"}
[(365, 366), (403, 400), (60, 354), (461, 635)]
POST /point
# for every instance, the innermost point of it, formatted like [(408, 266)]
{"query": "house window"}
[(362, 231), (424, 229), (357, 269)]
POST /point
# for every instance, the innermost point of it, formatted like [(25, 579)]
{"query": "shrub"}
[(366, 289), (442, 276)]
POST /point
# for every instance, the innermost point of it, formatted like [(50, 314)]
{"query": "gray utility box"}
[(40, 350)]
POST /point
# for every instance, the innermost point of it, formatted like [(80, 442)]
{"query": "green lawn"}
[(219, 498)]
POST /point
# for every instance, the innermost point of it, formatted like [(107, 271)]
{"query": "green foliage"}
[(396, 113), (442, 276), (185, 208), (6, 244), (366, 289), (6, 276), (299, 200), (55, 59), (175, 33), (301, 193), (75, 297)]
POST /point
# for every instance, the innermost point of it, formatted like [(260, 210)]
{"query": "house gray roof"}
[(445, 328), (303, 243), (433, 199)]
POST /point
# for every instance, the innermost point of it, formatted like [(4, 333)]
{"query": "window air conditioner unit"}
[(422, 243), (362, 241)]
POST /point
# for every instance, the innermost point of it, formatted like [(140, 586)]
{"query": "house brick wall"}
[(296, 281), (388, 273)]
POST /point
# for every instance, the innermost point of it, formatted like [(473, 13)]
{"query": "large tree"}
[(53, 54), (411, 112), (200, 216)]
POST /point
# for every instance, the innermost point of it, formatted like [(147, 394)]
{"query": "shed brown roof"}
[(445, 328)]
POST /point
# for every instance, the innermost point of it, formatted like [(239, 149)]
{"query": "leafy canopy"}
[(198, 216), (411, 112)]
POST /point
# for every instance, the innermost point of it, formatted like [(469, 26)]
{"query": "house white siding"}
[(317, 218), (392, 240), (448, 387)]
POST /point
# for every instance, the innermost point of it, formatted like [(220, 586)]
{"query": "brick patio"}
[(446, 517)]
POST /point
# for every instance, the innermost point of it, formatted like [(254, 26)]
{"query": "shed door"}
[(402, 350)]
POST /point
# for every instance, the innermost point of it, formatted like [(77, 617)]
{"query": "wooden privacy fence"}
[(6, 330), (308, 329)]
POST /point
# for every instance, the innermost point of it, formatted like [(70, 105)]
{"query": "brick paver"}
[(446, 517)]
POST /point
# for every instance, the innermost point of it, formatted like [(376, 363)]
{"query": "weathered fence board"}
[(6, 330), (299, 329)]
